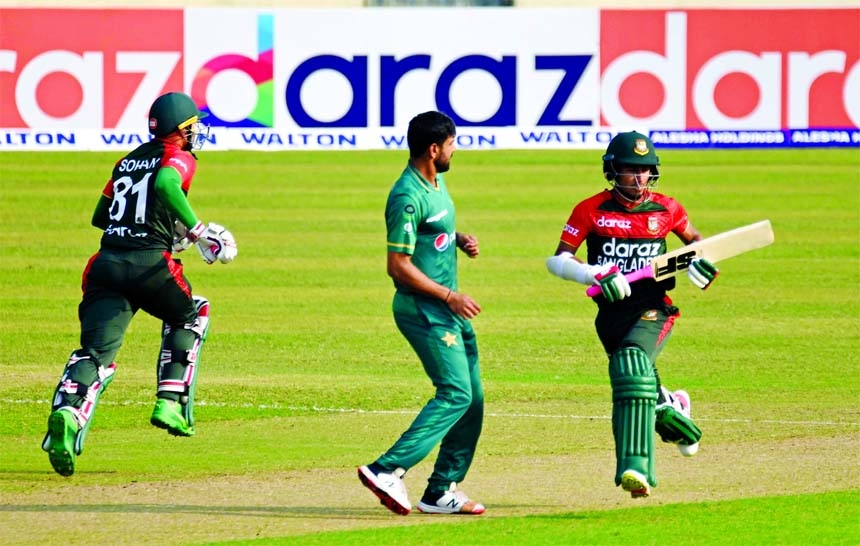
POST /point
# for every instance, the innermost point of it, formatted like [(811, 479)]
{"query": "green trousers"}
[(115, 286), (446, 345), (648, 328)]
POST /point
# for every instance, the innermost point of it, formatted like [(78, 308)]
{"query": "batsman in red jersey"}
[(145, 217), (624, 227)]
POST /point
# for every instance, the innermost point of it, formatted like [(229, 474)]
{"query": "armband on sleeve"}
[(565, 266)]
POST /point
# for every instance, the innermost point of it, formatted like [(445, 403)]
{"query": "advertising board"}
[(287, 79)]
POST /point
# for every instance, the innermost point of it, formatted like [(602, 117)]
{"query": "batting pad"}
[(634, 397)]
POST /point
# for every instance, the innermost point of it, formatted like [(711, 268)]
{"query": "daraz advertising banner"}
[(288, 79)]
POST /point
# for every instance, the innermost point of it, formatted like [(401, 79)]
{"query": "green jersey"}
[(420, 221)]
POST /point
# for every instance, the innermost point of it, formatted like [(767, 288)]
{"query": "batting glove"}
[(613, 284), (217, 243), (702, 272), (196, 232)]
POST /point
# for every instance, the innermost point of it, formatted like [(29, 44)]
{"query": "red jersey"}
[(629, 238)]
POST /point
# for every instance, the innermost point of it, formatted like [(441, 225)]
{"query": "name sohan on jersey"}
[(128, 165)]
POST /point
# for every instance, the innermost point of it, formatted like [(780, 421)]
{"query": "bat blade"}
[(718, 247)]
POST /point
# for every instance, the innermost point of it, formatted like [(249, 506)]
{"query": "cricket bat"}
[(718, 247)]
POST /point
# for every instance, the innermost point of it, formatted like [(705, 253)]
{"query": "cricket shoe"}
[(682, 399), (451, 501), (60, 441), (636, 484), (389, 487), (167, 414)]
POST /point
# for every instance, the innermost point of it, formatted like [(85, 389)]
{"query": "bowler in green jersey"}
[(435, 318)]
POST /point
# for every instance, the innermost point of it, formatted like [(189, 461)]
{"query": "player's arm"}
[(612, 283), (405, 273), (690, 234), (566, 265), (101, 214), (168, 187)]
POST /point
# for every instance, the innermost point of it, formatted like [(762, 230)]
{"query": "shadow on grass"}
[(327, 512), (255, 511)]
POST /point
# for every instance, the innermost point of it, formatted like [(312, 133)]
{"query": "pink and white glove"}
[(217, 243)]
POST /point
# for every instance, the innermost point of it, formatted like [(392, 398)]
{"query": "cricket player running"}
[(624, 228), (434, 317), (145, 214)]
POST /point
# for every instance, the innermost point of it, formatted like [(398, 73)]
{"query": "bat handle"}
[(633, 276)]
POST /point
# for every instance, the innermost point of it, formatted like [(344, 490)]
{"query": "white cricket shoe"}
[(452, 501), (636, 484), (682, 403), (389, 487)]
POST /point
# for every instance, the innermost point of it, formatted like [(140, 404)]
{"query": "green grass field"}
[(304, 376)]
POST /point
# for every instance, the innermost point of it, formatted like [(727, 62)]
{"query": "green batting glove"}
[(613, 285), (702, 273)]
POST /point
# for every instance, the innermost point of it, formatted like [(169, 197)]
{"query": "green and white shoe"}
[(167, 414), (60, 442)]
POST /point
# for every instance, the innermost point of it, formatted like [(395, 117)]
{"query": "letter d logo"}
[(259, 112)]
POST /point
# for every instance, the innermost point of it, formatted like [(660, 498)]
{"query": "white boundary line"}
[(316, 409)]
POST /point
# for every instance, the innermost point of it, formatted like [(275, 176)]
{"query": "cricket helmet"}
[(176, 111), (630, 148)]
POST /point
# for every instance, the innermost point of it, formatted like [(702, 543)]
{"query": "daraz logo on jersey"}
[(570, 229), (619, 223), (624, 248)]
